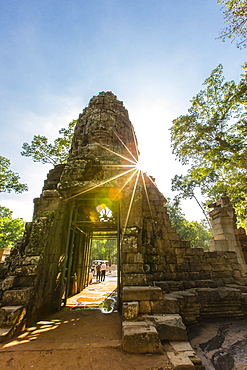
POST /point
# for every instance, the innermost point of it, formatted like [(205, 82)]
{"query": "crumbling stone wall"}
[(154, 252)]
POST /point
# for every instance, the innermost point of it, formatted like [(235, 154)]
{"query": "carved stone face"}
[(100, 128)]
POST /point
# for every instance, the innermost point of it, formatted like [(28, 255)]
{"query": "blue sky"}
[(56, 54)]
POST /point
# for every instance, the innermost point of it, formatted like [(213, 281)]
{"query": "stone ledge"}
[(141, 293)]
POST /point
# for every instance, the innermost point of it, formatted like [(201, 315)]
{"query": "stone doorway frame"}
[(75, 227)]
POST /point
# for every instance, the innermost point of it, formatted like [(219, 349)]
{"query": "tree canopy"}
[(11, 229), (9, 180), (197, 233), (42, 151), (235, 16), (212, 141)]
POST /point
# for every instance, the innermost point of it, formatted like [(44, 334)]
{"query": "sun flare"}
[(141, 165)]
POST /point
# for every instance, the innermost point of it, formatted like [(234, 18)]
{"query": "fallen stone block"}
[(181, 346), (170, 327), (180, 361), (140, 337), (195, 360)]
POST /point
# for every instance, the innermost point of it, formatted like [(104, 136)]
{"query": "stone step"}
[(16, 296), (180, 361), (11, 315), (183, 357), (140, 337)]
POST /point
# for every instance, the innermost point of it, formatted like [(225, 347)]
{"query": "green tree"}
[(11, 229), (211, 140), (104, 249), (235, 16), (197, 233), (43, 151), (9, 180)]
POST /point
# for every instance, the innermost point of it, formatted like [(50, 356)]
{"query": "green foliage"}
[(9, 180), (105, 249), (42, 151), (11, 229), (197, 233), (211, 139), (235, 15)]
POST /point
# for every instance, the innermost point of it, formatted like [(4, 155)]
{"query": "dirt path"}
[(75, 339)]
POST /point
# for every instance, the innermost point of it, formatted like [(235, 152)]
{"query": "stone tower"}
[(100, 191)]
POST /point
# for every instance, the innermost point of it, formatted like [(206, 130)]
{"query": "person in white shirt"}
[(103, 270)]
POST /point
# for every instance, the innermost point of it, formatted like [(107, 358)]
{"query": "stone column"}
[(224, 229)]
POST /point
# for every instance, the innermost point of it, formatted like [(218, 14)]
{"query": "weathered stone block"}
[(16, 296), (153, 259), (170, 257), (134, 279), (157, 307), (141, 293), (3, 270), (194, 275), (31, 260), (130, 310), (181, 346), (134, 258), (158, 275), (205, 274), (133, 267), (171, 304), (180, 361), (145, 307), (140, 337), (8, 283), (169, 327), (129, 244)]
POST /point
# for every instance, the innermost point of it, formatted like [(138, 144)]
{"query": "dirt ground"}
[(75, 338)]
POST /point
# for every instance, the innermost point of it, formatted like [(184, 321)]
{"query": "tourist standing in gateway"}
[(103, 270)]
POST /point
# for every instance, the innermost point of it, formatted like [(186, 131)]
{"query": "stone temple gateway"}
[(164, 284)]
